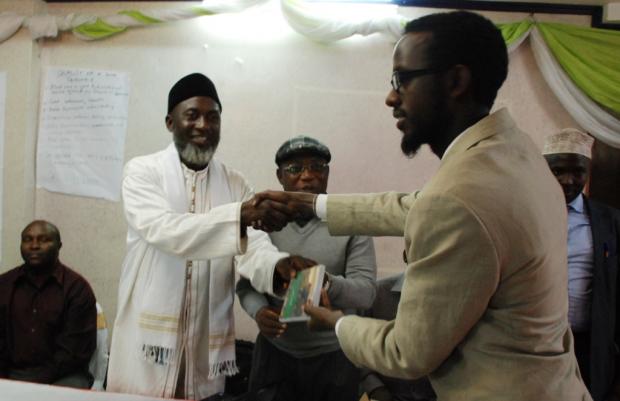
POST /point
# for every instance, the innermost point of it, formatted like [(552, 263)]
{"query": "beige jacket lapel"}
[(494, 124)]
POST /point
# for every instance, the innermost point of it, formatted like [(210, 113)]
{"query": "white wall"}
[(19, 58), (273, 84)]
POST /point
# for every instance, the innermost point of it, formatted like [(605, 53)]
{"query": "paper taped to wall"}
[(82, 129)]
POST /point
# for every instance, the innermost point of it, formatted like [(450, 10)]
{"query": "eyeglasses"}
[(296, 169), (400, 77)]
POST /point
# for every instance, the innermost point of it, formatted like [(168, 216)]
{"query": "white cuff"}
[(320, 207), (338, 324)]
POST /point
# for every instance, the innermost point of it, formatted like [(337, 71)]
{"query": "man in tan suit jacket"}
[(483, 309)]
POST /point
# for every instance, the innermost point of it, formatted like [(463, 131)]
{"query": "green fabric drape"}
[(98, 29), (590, 57), (513, 31)]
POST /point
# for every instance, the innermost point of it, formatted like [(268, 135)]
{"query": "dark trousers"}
[(582, 352), (76, 380), (325, 377)]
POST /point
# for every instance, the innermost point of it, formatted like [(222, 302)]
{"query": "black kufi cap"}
[(189, 86)]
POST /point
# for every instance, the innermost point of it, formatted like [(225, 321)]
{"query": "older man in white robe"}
[(187, 215)]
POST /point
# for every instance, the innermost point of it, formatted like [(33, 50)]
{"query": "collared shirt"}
[(49, 324), (196, 184), (580, 265)]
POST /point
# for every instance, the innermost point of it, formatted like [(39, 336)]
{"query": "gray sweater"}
[(351, 267)]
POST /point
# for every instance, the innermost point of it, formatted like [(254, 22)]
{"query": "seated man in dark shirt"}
[(48, 318)]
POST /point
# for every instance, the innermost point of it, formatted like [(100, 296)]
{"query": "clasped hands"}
[(273, 210)]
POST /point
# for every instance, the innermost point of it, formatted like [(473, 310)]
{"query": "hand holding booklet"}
[(306, 286)]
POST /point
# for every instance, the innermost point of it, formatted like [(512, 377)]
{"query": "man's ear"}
[(459, 81), (169, 123)]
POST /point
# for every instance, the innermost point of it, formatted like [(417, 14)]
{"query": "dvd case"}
[(305, 286)]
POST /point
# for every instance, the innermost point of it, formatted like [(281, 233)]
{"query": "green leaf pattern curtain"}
[(581, 65)]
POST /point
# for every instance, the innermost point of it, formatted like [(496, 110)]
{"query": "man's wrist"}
[(243, 218), (326, 282), (278, 280), (314, 204), (258, 311)]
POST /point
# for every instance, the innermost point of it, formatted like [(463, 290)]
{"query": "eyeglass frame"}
[(401, 77), (306, 167)]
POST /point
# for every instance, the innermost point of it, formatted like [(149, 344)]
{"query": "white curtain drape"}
[(593, 118), (311, 20), (590, 116), (48, 26), (308, 20), (514, 45), (9, 24)]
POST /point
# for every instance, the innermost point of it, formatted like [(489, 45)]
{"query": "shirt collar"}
[(455, 140), (188, 171), (577, 204), (492, 124), (58, 272)]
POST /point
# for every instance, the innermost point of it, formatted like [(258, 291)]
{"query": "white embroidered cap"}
[(569, 140)]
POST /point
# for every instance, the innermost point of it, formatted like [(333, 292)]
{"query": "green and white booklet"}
[(306, 286)]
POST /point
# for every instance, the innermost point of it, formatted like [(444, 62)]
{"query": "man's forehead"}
[(412, 47), (37, 228), (567, 159), (192, 102)]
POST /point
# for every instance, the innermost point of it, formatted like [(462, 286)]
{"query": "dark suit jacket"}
[(605, 333)]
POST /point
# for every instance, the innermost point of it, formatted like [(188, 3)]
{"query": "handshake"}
[(273, 210)]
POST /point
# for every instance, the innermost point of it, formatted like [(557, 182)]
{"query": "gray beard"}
[(192, 154)]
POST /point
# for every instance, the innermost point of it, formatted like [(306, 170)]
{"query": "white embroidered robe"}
[(159, 237)]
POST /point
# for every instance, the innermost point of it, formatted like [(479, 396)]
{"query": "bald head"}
[(46, 225)]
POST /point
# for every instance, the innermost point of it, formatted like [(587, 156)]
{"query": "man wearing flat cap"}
[(306, 365), (187, 216), (593, 264)]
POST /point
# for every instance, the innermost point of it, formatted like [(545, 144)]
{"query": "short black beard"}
[(410, 145), (431, 134)]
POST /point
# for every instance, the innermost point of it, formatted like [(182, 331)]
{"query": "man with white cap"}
[(187, 216), (593, 264)]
